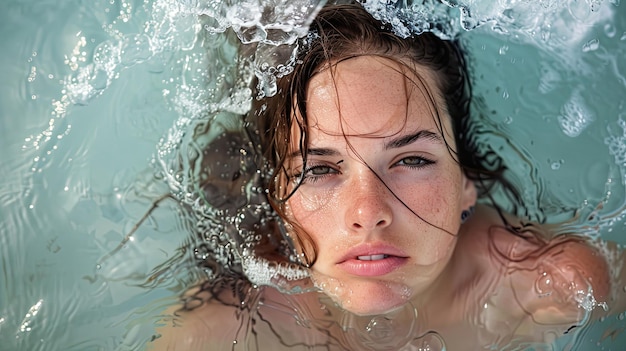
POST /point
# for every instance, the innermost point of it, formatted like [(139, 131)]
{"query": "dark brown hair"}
[(340, 32)]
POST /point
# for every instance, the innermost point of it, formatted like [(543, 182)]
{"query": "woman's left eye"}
[(414, 161)]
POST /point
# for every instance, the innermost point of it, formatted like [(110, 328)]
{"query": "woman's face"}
[(382, 196)]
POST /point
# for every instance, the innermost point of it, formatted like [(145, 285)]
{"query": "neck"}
[(444, 298)]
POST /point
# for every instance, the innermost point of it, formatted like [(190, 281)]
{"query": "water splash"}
[(287, 277), (91, 72), (270, 22), (414, 17), (274, 27), (543, 21)]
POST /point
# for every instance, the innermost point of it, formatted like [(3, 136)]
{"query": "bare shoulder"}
[(194, 330), (546, 281), (207, 325), (245, 317)]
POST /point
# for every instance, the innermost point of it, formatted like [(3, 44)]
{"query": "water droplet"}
[(609, 30), (591, 45)]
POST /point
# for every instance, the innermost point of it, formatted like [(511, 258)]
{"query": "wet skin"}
[(382, 196)]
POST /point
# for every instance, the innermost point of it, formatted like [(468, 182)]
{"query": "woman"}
[(376, 179)]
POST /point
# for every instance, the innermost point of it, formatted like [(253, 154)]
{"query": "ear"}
[(469, 194)]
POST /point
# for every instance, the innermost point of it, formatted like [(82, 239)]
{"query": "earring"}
[(466, 214)]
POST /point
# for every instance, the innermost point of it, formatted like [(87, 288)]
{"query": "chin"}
[(374, 307), (365, 297)]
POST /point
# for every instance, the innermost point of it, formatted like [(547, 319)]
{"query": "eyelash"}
[(311, 178), (307, 177), (424, 162)]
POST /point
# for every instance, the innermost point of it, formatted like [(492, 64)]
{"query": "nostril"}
[(368, 214), (380, 223)]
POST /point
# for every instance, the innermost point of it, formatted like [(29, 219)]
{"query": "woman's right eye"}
[(315, 173)]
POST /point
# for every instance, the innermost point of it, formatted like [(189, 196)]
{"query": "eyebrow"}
[(392, 144), (411, 138), (316, 151)]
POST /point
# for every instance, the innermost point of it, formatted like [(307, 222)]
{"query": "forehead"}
[(374, 96)]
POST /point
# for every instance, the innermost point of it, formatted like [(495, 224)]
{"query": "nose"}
[(367, 201)]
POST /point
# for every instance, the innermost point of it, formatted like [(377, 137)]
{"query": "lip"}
[(395, 258)]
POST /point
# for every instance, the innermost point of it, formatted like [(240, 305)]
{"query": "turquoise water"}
[(98, 97)]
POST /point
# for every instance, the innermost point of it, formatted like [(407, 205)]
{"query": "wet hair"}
[(344, 31)]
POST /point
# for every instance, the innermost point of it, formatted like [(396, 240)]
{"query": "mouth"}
[(372, 260)]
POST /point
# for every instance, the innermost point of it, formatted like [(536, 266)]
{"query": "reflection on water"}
[(112, 105)]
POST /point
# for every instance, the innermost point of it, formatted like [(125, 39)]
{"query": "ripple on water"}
[(106, 40)]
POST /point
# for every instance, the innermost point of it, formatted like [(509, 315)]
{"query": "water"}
[(100, 101)]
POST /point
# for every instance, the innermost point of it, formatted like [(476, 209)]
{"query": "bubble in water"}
[(390, 331), (26, 324), (617, 143), (586, 300), (579, 9), (135, 48), (556, 165), (575, 116), (591, 45), (281, 275), (32, 75), (609, 30), (86, 84), (544, 284)]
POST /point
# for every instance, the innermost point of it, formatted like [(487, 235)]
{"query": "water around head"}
[(556, 50)]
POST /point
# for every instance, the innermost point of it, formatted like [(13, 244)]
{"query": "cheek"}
[(310, 207), (310, 203), (315, 214), (437, 200)]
